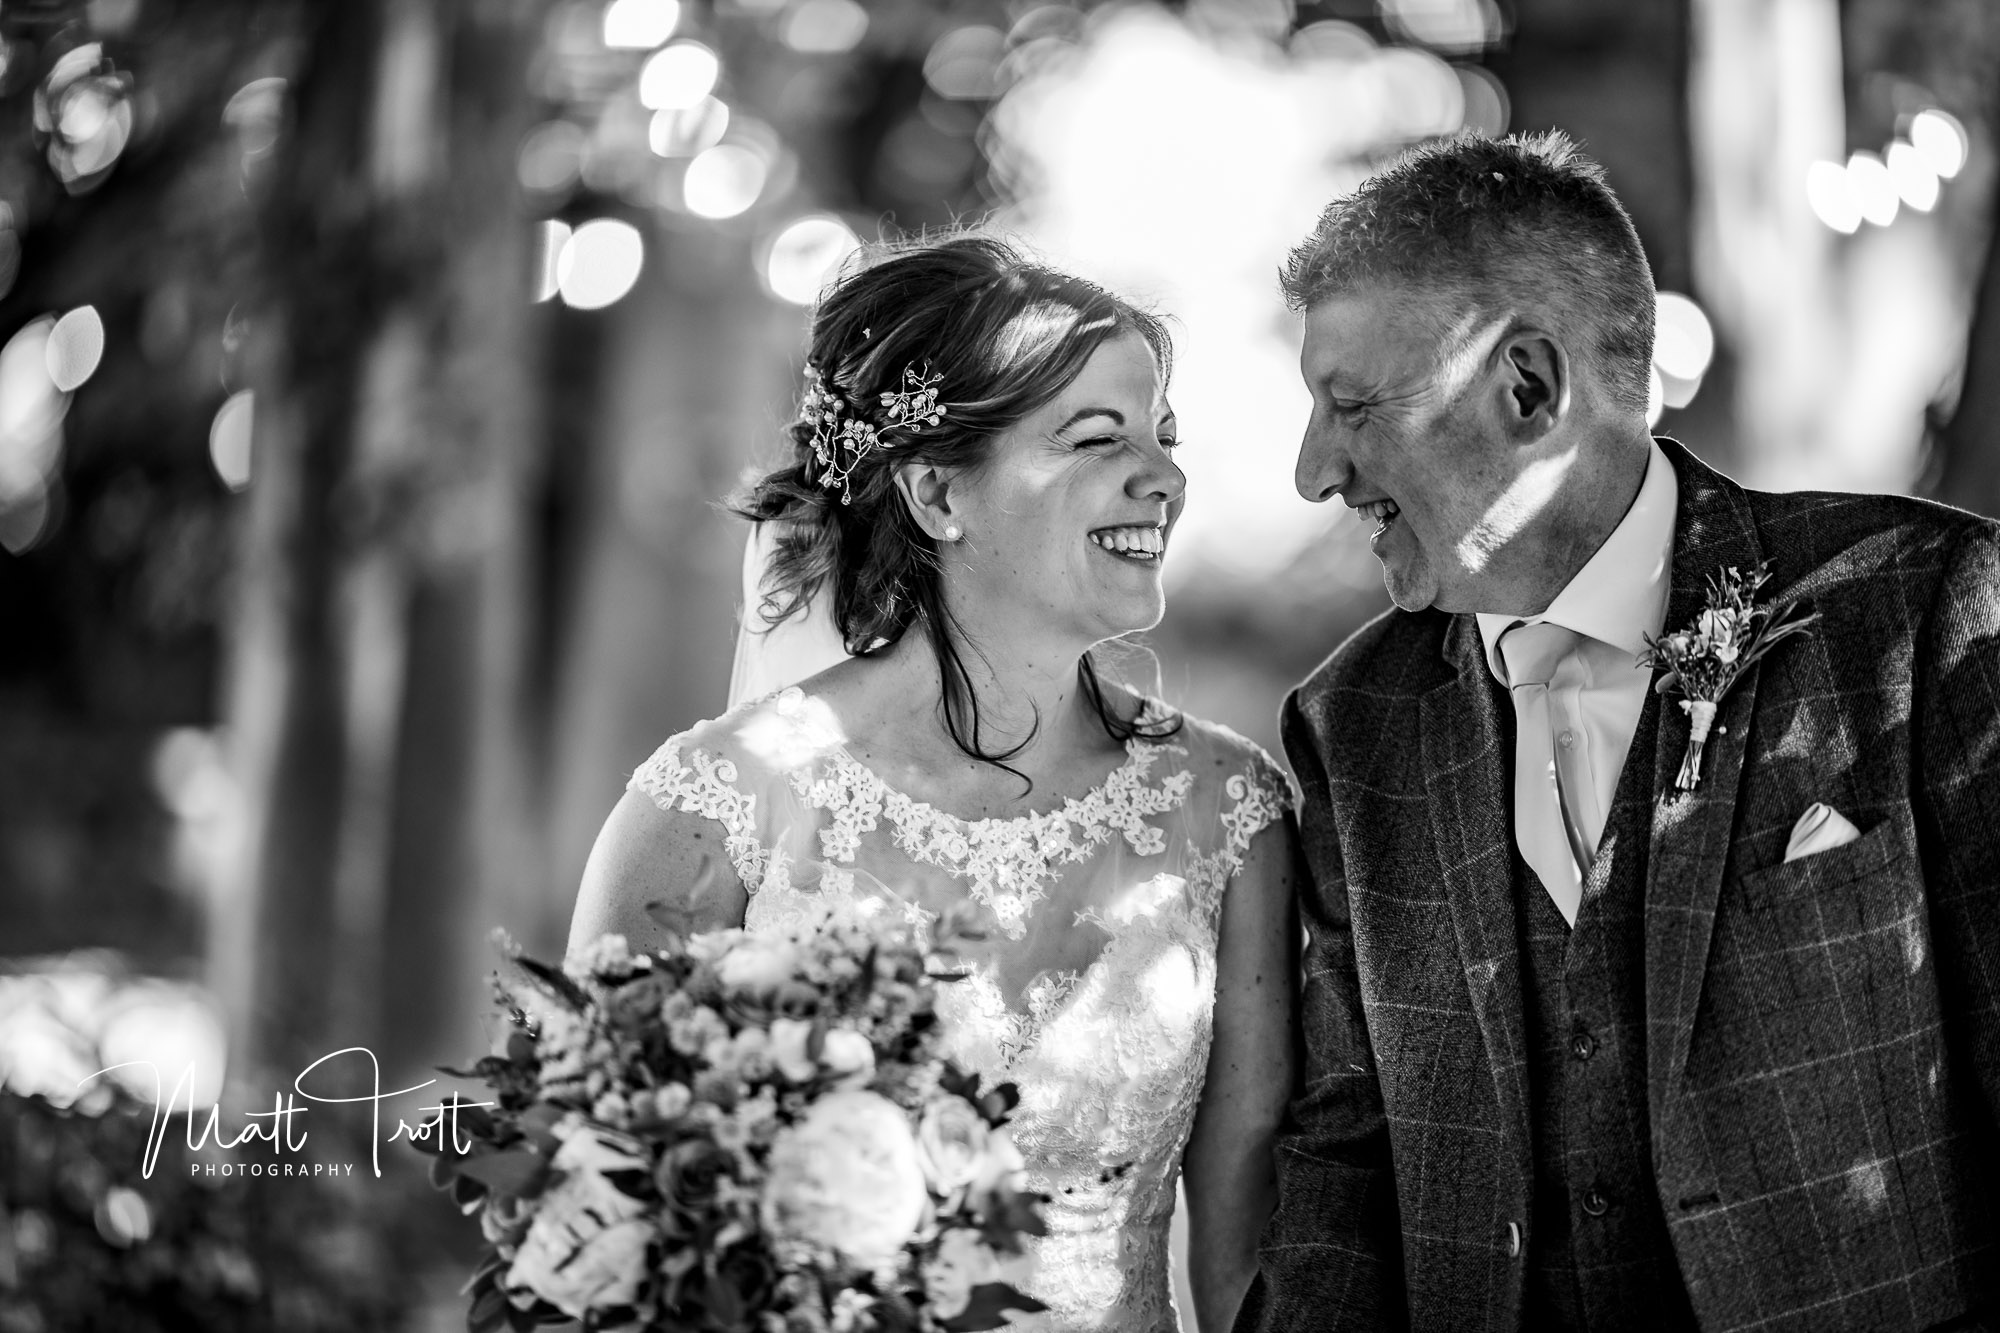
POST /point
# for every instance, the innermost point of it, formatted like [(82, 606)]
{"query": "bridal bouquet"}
[(736, 1132)]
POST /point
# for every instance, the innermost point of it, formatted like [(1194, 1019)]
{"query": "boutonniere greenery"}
[(1705, 660)]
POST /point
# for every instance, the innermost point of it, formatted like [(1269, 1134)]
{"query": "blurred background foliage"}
[(369, 368)]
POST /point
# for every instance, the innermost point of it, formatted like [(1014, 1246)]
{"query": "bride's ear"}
[(926, 492)]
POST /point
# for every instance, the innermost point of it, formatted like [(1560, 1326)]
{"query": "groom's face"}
[(1396, 432)]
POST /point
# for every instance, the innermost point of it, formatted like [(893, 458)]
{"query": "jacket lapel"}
[(1467, 764), (1692, 831)]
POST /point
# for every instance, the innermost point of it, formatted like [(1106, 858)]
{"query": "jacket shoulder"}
[(1398, 652)]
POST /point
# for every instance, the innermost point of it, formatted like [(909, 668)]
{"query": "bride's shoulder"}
[(757, 740), (1215, 753)]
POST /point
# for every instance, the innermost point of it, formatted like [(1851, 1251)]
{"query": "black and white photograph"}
[(1069, 666)]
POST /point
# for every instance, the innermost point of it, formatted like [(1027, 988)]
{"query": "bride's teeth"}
[(1141, 541)]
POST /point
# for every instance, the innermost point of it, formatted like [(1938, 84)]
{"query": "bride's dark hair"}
[(1004, 335)]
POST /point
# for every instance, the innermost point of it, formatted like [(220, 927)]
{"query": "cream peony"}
[(586, 1248), (847, 1178)]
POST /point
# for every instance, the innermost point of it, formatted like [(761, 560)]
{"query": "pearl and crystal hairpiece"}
[(842, 437)]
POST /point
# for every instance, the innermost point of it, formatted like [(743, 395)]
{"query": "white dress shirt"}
[(1598, 690)]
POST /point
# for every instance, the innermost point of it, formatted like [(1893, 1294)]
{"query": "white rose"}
[(790, 1040), (848, 1055), (847, 1178), (757, 963), (963, 1262), (586, 1248), (951, 1142)]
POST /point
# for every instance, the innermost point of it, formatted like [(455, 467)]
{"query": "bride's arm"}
[(1227, 1168), (648, 855)]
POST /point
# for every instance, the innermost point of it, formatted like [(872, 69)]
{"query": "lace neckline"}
[(925, 812), (1008, 860)]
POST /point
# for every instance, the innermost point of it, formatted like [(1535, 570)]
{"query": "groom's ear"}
[(1534, 385), (926, 492)]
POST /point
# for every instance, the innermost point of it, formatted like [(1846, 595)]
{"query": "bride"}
[(981, 491)]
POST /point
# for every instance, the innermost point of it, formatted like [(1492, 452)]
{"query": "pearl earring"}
[(951, 532)]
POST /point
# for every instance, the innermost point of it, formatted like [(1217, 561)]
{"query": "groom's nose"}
[(1322, 470)]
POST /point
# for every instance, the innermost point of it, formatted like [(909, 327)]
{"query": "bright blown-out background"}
[(368, 369)]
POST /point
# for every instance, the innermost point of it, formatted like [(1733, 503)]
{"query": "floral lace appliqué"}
[(1008, 862)]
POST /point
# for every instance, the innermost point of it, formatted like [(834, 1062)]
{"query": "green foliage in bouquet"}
[(737, 1132)]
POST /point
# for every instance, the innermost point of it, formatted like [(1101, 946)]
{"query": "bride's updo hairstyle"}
[(1000, 336)]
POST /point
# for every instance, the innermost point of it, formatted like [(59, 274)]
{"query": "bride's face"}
[(1067, 523)]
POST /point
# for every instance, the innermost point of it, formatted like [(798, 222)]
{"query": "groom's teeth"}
[(1377, 510)]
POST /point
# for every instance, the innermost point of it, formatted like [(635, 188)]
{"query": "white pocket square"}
[(1820, 829)]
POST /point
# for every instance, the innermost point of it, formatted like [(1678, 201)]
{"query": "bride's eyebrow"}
[(1117, 417)]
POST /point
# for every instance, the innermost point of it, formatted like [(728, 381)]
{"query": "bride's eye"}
[(1170, 442)]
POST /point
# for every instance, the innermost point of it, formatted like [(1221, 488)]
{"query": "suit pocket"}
[(1875, 854)]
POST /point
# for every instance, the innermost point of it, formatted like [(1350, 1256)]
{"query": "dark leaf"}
[(517, 1173), (557, 984), (988, 1308)]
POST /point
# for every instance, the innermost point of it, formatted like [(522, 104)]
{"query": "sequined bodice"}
[(1125, 881)]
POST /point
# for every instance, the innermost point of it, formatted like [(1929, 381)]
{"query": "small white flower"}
[(790, 1038), (963, 1262), (847, 1054), (759, 963)]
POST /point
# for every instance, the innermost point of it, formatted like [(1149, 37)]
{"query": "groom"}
[(1583, 1051)]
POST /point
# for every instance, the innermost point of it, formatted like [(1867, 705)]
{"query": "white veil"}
[(768, 658)]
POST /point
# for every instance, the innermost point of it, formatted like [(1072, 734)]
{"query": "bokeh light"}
[(551, 157), (1448, 25), (31, 414), (826, 27), (679, 75), (599, 263), (725, 181), (550, 238), (1656, 397), (1916, 183), (687, 131), (640, 25), (1831, 195), (963, 63), (229, 438), (1683, 338), (1941, 140), (84, 105), (805, 254), (1874, 188), (75, 346)]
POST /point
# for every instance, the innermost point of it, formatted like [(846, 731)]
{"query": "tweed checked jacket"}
[(1822, 1037)]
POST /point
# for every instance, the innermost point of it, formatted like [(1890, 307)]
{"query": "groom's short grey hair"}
[(1479, 226)]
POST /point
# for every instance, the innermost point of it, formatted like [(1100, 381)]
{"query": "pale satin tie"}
[(1541, 830)]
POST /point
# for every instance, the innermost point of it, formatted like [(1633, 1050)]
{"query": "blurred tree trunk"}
[(374, 704), (1970, 442)]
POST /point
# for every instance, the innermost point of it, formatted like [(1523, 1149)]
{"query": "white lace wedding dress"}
[(1093, 994)]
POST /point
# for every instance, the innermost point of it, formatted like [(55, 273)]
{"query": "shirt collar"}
[(1619, 597)]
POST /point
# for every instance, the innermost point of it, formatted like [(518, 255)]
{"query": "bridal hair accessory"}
[(842, 437), (1705, 660)]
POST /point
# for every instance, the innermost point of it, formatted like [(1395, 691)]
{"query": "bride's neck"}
[(1026, 692)]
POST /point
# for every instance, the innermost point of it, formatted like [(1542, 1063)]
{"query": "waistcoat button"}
[(1595, 1203)]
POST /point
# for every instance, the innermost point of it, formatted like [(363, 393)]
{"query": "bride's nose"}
[(1158, 477)]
